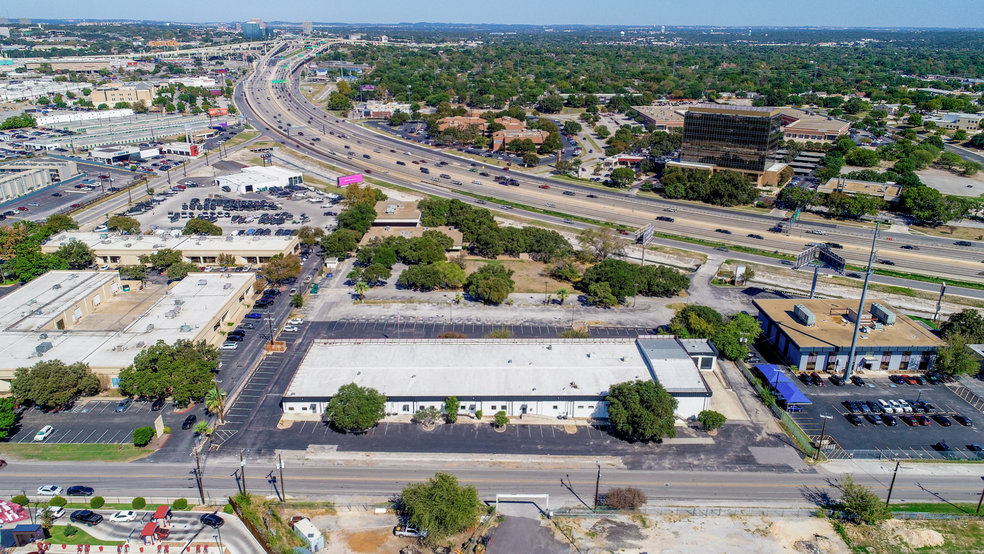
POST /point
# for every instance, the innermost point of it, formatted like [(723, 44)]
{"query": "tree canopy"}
[(53, 383), (183, 371), (355, 409), (440, 506), (280, 268), (641, 410), (491, 284), (123, 223), (198, 226)]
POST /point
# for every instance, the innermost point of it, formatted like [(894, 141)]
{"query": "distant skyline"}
[(841, 13)]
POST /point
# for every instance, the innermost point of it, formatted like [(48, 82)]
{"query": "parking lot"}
[(882, 441), (97, 422)]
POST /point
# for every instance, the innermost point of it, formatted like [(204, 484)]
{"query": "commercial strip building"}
[(117, 250), (805, 125), (115, 154), (75, 117), (501, 139), (663, 118), (129, 128), (32, 89), (817, 334), (738, 138), (889, 192), (535, 377), (258, 179), (95, 318), (22, 176), (394, 213), (958, 122), (123, 92)]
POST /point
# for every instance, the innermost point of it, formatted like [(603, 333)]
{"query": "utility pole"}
[(198, 476), (892, 484), (242, 470), (283, 488), (597, 485), (864, 294), (823, 430), (979, 501)]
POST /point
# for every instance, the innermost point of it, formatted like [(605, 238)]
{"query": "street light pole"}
[(242, 470), (198, 476), (283, 488), (891, 486), (597, 485), (823, 429), (920, 394)]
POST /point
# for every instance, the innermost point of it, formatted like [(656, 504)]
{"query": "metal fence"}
[(721, 511), (802, 439)]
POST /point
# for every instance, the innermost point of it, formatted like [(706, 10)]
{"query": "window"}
[(555, 407), (885, 360), (290, 408), (580, 407), (904, 363), (707, 363), (493, 407), (406, 407)]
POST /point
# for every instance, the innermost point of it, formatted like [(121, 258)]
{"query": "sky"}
[(846, 13)]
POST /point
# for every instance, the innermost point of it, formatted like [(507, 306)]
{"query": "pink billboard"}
[(346, 180)]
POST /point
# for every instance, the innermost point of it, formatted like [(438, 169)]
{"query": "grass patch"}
[(936, 508), (57, 536), (951, 231), (923, 278), (929, 322), (74, 452), (242, 137), (961, 536), (730, 247), (107, 506)]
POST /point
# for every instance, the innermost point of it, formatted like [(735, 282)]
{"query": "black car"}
[(965, 421), (854, 420), (592, 196), (157, 405), (886, 262), (237, 333), (189, 422), (873, 419), (942, 420), (834, 245), (837, 380), (963, 243), (874, 406), (211, 520), (722, 231), (889, 420), (79, 490), (235, 338), (754, 236), (857, 380), (665, 218), (87, 517)]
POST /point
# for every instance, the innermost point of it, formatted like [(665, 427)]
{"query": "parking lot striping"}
[(113, 437)]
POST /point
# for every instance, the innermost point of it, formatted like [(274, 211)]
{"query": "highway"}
[(281, 111)]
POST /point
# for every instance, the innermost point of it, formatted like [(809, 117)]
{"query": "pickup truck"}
[(409, 531), (87, 517)]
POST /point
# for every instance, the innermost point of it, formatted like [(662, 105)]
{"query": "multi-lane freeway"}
[(281, 111)]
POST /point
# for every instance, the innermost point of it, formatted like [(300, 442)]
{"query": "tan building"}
[(511, 123), (805, 125), (123, 92), (663, 118), (889, 192), (501, 139), (958, 122), (95, 318), (117, 250), (462, 122), (412, 232), (393, 213)]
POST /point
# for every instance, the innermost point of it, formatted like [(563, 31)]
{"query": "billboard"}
[(215, 92), (368, 87), (346, 180), (822, 254), (215, 112)]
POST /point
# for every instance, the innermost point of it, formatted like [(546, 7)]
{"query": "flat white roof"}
[(50, 294), (272, 171), (489, 367), (187, 244)]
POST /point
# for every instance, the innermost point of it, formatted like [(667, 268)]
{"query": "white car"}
[(128, 515), (296, 321), (44, 433), (290, 329), (229, 346), (54, 512), (104, 268), (49, 490)]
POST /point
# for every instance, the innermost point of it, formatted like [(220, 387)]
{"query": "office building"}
[(123, 92), (816, 335), (259, 179), (254, 29), (308, 27), (971, 123), (522, 377), (807, 126), (888, 192), (23, 176)]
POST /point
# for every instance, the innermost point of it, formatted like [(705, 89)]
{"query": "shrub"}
[(180, 504), (478, 414), (500, 419), (97, 502), (20, 500), (139, 503), (167, 430), (142, 436), (711, 419), (452, 335), (58, 501), (451, 407), (71, 530), (627, 498), (228, 509)]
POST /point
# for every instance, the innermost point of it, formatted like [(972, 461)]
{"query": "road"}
[(381, 479), (281, 111)]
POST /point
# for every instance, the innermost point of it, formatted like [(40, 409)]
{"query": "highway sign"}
[(645, 234)]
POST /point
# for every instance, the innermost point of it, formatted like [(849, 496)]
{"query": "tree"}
[(427, 415), (732, 339), (340, 243), (7, 417), (641, 410), (600, 295), (501, 419), (310, 236), (628, 498), (861, 504), (956, 358), (361, 288), (53, 383), (214, 400), (862, 157), (124, 224), (297, 301), (623, 177), (142, 436), (183, 371), (967, 323), (76, 254), (399, 118), (163, 258), (696, 321), (440, 506), (602, 131), (280, 268), (357, 217), (572, 127), (337, 101), (491, 284), (180, 270), (355, 409), (198, 226), (133, 272), (551, 104), (60, 222), (563, 295), (711, 420), (602, 242), (201, 428), (530, 159), (451, 407), (621, 277), (915, 120)]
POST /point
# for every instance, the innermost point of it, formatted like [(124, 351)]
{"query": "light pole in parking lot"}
[(823, 430), (891, 485), (242, 470)]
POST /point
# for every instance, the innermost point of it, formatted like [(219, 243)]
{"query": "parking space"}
[(906, 433), (93, 182), (98, 422)]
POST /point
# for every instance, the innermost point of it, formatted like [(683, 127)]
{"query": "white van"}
[(886, 407), (44, 433)]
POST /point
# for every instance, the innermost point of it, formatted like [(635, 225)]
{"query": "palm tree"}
[(563, 294), (361, 288), (214, 400)]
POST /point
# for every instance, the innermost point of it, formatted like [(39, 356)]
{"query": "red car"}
[(544, 186), (23, 208), (909, 380), (76, 205)]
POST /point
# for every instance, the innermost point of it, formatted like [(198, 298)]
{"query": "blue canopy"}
[(785, 386), (792, 394)]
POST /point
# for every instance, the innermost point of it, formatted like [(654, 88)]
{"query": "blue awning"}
[(792, 394), (781, 382)]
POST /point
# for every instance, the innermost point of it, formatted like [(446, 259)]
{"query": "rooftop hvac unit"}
[(150, 327), (883, 314), (72, 239), (32, 301), (170, 314), (138, 237), (202, 282), (107, 241), (804, 315), (43, 336), (140, 344), (877, 326), (119, 348), (73, 276), (178, 301), (38, 312), (229, 238), (127, 245), (185, 328), (56, 286), (227, 286)]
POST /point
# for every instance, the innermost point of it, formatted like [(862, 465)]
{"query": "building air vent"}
[(73, 276), (185, 328), (140, 344), (229, 238), (119, 348), (32, 301), (127, 245), (883, 314), (56, 286), (804, 315), (42, 336), (202, 282), (150, 327), (227, 286), (170, 314), (178, 301), (104, 236)]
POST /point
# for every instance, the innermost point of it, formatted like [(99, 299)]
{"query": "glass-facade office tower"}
[(254, 29), (733, 137)]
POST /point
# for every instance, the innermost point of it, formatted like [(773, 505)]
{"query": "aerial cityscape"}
[(555, 283)]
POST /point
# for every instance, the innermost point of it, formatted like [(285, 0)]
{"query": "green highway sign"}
[(278, 81)]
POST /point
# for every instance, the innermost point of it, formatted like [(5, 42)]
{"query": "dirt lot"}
[(527, 274)]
